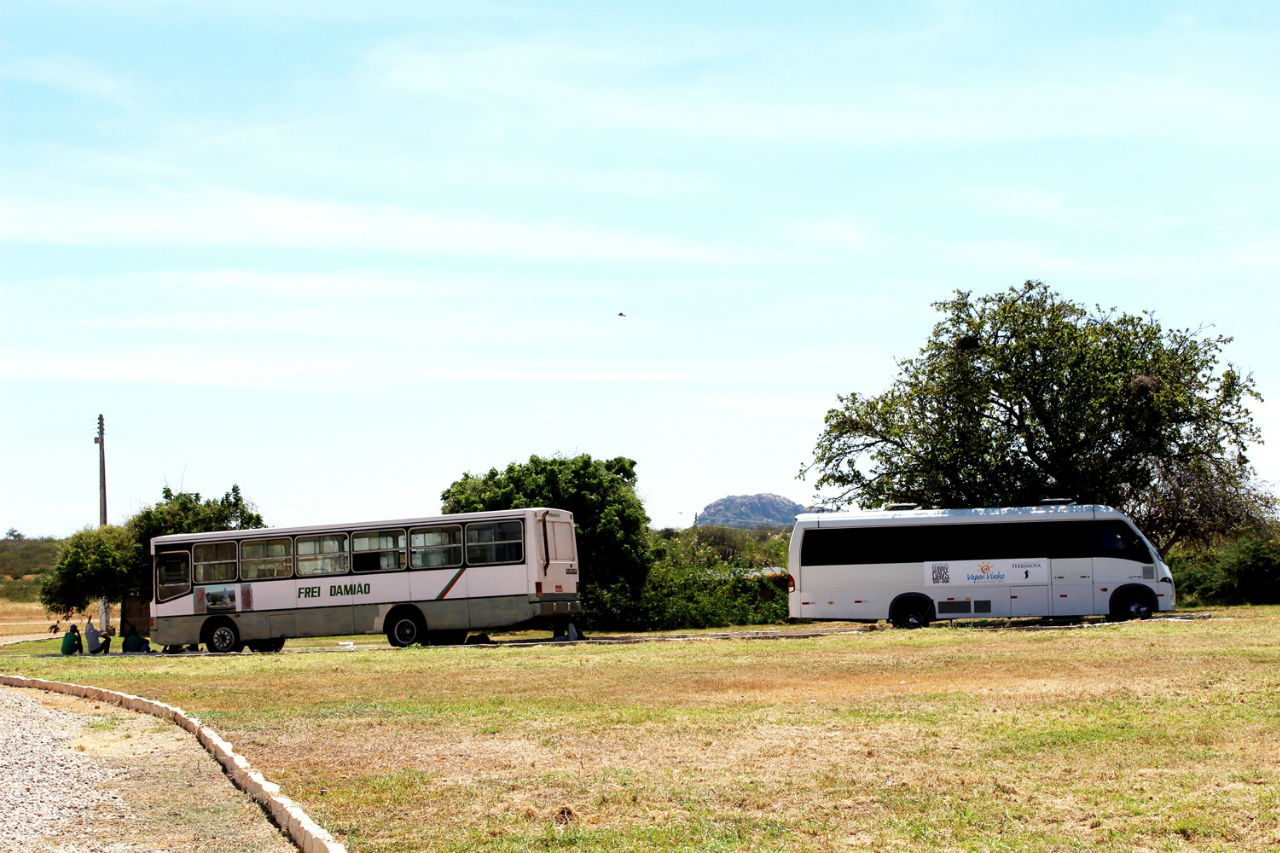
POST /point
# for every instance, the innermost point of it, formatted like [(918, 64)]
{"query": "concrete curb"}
[(288, 815)]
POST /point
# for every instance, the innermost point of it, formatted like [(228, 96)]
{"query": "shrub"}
[(1242, 571), (708, 577)]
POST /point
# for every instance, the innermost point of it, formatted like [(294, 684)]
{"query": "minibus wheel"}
[(1131, 604), (911, 613)]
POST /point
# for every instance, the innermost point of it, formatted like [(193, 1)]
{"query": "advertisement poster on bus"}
[(1032, 570)]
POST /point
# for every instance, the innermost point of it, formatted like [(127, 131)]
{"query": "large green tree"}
[(1024, 395), (91, 565), (612, 527)]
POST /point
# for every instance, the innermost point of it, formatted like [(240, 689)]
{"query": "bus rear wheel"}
[(221, 636), (273, 645), (405, 627)]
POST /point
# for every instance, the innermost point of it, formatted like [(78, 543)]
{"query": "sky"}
[(342, 253)]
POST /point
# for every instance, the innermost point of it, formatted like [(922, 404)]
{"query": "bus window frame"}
[(401, 551), (344, 553), (460, 547), (246, 561), (494, 543), (234, 562)]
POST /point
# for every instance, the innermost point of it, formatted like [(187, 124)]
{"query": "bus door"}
[(556, 569), (1071, 587)]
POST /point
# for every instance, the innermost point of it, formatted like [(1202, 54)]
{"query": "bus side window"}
[(436, 547), (215, 562), (492, 543), (268, 558), (377, 551), (322, 555)]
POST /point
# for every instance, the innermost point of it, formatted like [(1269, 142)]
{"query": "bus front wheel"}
[(405, 627), (1131, 604), (221, 636)]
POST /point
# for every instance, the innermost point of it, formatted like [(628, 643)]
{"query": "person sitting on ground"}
[(133, 643), (71, 644), (98, 644)]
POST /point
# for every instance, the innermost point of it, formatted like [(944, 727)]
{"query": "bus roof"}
[(273, 532), (907, 517)]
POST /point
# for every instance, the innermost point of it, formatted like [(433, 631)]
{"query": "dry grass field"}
[(1151, 736), (28, 618)]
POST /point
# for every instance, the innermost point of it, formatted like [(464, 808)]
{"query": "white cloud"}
[(1112, 96), (229, 218)]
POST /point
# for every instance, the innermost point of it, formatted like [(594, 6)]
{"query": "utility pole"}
[(104, 606), (102, 472)]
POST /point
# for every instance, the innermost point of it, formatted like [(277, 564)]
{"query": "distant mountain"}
[(748, 511)]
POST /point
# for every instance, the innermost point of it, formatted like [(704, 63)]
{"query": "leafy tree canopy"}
[(1024, 395), (92, 564), (612, 527)]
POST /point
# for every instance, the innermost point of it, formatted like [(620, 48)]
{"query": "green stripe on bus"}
[(450, 584)]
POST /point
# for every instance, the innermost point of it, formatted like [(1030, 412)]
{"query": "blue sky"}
[(342, 253)]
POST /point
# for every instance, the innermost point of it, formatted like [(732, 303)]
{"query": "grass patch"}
[(1157, 735)]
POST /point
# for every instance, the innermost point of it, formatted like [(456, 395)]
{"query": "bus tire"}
[(405, 626), (1131, 603), (273, 645), (911, 612), (221, 636)]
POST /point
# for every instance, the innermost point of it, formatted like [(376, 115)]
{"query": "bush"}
[(709, 577), (1243, 571)]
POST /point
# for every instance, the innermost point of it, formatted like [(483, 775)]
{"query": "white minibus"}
[(913, 566)]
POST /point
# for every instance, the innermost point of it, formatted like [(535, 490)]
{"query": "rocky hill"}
[(747, 511)]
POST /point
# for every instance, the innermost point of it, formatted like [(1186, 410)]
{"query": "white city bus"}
[(913, 566), (417, 580)]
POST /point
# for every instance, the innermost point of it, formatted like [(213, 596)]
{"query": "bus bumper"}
[(547, 607)]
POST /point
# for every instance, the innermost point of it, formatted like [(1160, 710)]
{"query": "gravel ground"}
[(92, 778), (47, 788)]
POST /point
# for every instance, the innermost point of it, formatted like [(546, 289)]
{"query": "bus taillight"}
[(537, 588), (791, 583)]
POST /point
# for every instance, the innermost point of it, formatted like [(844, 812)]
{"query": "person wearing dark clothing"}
[(71, 644), (134, 643)]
